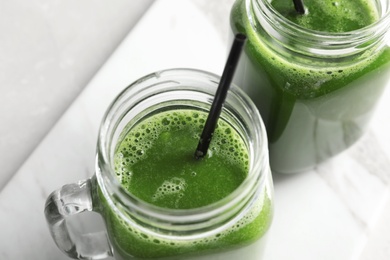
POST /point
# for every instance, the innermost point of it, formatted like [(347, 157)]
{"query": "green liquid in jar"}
[(313, 107), (330, 15), (155, 162)]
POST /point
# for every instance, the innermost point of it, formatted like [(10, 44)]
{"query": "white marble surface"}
[(338, 211), (49, 50)]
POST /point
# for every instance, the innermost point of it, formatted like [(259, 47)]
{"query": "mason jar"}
[(316, 90), (231, 228)]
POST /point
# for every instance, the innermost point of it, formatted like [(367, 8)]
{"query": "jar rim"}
[(110, 184), (312, 43), (382, 22)]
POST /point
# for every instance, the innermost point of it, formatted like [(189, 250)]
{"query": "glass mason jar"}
[(231, 228), (316, 91)]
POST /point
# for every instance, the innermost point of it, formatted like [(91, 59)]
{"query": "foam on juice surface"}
[(159, 152), (330, 15), (225, 139)]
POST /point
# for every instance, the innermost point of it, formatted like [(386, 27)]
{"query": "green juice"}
[(313, 107), (330, 15), (154, 161)]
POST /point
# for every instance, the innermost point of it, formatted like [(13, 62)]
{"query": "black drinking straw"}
[(299, 6), (220, 95)]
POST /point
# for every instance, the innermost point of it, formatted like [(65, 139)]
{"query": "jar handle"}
[(65, 202)]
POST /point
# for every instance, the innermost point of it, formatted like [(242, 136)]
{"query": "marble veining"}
[(359, 177)]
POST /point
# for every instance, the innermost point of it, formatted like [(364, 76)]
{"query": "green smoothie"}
[(313, 106), (155, 162), (330, 15)]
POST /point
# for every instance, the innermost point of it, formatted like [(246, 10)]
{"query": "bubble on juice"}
[(174, 186), (228, 143)]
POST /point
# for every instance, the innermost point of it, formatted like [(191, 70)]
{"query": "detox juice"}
[(154, 161), (315, 93), (156, 199)]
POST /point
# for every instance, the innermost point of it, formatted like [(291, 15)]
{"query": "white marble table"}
[(49, 50), (337, 211)]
